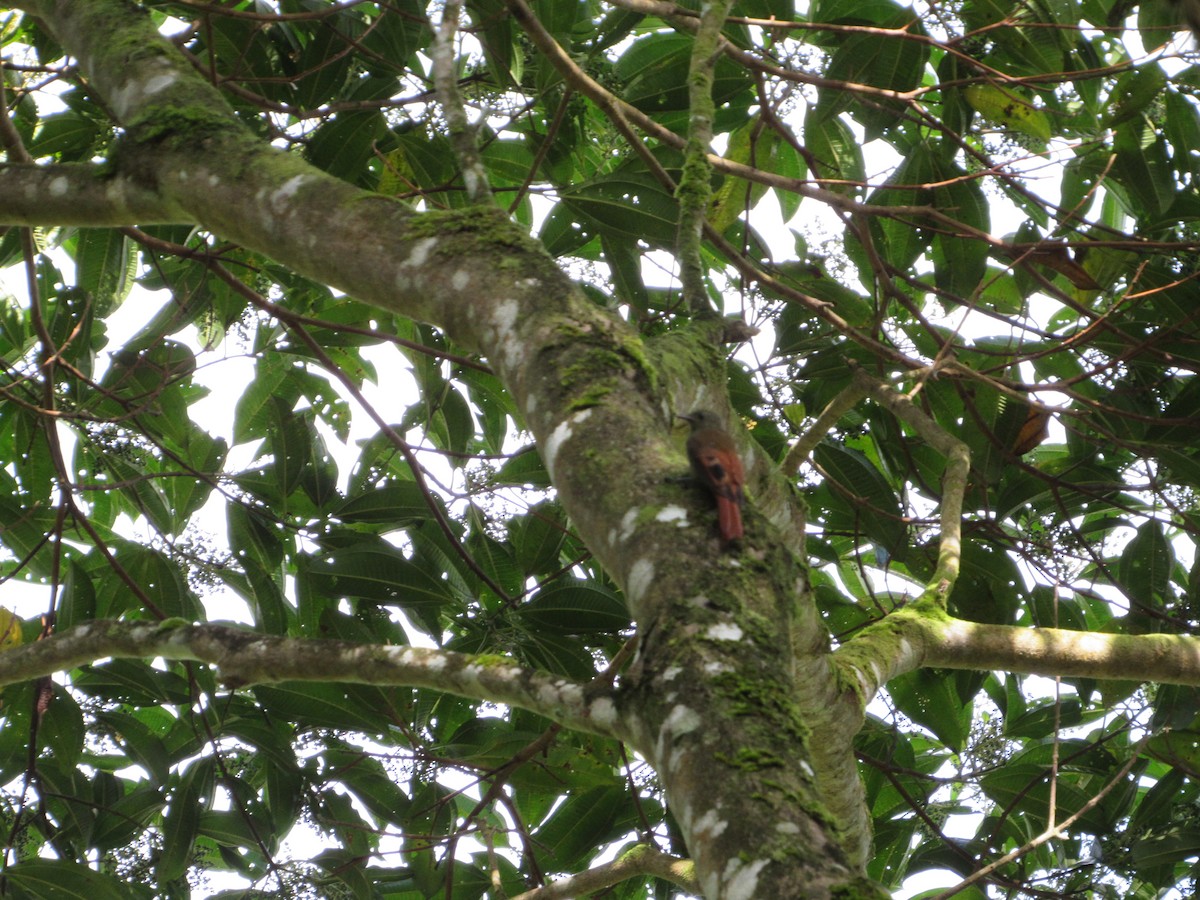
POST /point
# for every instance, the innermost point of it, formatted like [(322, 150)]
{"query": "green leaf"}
[(1145, 572), (868, 502), (629, 205), (576, 607), (928, 698), (181, 823), (105, 265), (381, 574), (575, 829), (61, 879)]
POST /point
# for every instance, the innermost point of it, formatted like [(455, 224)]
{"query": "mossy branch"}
[(695, 185), (458, 126), (247, 657), (954, 479), (638, 861)]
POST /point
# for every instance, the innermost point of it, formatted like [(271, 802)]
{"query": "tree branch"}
[(246, 657), (80, 194), (695, 185), (638, 861), (924, 635)]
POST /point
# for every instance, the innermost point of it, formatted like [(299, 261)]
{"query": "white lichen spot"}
[(571, 693), (603, 712), (787, 828), (280, 197), (710, 825), (683, 815), (698, 601), (864, 687), (473, 672), (559, 436), (724, 631), (420, 252), (214, 179), (58, 186), (433, 664), (514, 352), (530, 283), (807, 769), (460, 280), (715, 668), (741, 879), (677, 759), (472, 182), (671, 673), (673, 513), (682, 720), (159, 83), (530, 405), (548, 695), (641, 576), (629, 523), (504, 316)]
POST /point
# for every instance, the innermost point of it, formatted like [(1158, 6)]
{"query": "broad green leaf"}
[(61, 879), (576, 608), (181, 822)]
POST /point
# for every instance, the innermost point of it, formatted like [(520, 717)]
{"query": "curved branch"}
[(924, 635), (638, 861), (246, 657)]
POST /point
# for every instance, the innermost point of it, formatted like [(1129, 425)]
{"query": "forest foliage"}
[(992, 204)]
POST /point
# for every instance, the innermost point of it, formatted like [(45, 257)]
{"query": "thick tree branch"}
[(80, 194), (715, 633), (924, 635), (246, 658)]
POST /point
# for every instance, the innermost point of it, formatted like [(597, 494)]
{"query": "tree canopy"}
[(347, 537)]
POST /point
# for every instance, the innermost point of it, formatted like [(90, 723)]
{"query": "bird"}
[(716, 464)]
